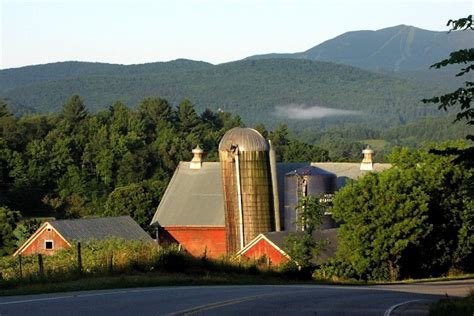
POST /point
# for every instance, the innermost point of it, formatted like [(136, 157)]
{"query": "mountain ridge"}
[(398, 48), (257, 88), (250, 88)]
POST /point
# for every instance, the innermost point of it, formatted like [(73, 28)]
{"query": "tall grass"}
[(115, 257)]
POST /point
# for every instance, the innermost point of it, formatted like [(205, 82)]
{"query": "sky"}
[(216, 31)]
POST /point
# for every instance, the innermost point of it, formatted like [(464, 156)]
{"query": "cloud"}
[(304, 112)]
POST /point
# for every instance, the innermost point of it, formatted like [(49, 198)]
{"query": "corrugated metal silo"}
[(248, 199), (306, 181)]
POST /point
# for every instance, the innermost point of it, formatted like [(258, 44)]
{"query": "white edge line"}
[(393, 307), (37, 300)]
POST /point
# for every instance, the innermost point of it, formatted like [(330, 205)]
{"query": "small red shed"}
[(56, 235), (262, 246), (272, 246)]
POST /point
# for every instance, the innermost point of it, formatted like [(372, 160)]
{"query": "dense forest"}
[(114, 162), (118, 161), (258, 90)]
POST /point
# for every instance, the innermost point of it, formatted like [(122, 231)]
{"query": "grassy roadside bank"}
[(459, 307), (119, 264)]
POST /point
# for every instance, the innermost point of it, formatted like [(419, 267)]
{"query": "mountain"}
[(30, 75), (401, 48), (304, 93)]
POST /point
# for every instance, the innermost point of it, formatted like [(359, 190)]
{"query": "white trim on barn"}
[(29, 241)]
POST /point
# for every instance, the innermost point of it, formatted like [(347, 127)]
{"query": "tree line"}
[(114, 162)]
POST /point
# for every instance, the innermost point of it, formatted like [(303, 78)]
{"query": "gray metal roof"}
[(194, 197), (248, 139), (348, 170), (100, 228), (310, 171)]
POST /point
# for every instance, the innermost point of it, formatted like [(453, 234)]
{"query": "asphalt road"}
[(237, 300)]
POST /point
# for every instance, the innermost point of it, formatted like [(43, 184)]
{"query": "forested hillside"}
[(265, 91), (401, 48), (114, 162)]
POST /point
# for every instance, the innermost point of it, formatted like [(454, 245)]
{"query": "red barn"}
[(55, 235), (191, 212)]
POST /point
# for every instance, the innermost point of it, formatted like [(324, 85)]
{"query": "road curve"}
[(234, 300)]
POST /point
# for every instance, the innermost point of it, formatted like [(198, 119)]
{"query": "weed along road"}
[(237, 300)]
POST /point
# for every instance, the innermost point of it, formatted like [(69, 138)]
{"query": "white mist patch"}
[(304, 112)]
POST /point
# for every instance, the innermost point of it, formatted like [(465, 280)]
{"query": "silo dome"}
[(248, 139)]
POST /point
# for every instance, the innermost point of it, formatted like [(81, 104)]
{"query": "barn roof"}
[(310, 171), (100, 228), (277, 240), (194, 197), (348, 170)]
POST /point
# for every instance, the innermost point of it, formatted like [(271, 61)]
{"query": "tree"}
[(211, 119), (463, 95), (302, 247), (139, 200), (156, 110), (74, 110), (279, 138), (156, 113), (409, 221), (187, 116), (262, 130), (4, 111), (297, 151), (27, 228), (8, 221)]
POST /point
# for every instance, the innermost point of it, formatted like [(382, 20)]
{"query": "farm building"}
[(55, 235), (237, 205), (272, 246)]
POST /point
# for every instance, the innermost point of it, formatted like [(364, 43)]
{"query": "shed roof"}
[(277, 240), (100, 228)]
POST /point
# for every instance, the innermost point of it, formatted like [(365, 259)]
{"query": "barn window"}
[(48, 244)]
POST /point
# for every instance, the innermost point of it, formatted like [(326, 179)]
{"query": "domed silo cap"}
[(247, 139)]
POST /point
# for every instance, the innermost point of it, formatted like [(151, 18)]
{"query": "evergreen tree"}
[(74, 110), (4, 111), (187, 117)]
